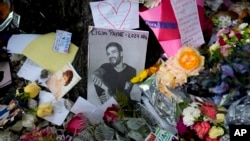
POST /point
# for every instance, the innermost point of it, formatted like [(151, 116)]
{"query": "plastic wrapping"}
[(164, 108), (239, 112)]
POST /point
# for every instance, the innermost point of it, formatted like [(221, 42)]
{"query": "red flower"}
[(201, 129), (77, 124), (209, 109), (111, 114), (221, 41)]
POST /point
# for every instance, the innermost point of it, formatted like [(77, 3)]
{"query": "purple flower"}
[(220, 89), (183, 130), (227, 71), (246, 48), (181, 127), (240, 67), (217, 99)]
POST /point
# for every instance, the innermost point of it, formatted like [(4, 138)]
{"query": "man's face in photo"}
[(114, 55)]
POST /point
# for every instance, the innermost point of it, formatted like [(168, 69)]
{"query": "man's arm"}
[(97, 78), (100, 87)]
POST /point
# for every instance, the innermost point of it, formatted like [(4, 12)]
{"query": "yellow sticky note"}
[(40, 50)]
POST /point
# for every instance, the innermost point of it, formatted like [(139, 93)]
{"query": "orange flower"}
[(176, 70), (190, 60)]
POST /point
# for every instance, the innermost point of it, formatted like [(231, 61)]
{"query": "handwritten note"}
[(118, 14), (187, 17), (62, 41), (127, 34)]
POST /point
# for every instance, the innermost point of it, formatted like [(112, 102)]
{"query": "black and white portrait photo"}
[(115, 56)]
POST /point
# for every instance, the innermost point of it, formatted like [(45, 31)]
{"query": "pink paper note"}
[(162, 21)]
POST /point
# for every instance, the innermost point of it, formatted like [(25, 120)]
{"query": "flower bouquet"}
[(202, 120), (226, 74)]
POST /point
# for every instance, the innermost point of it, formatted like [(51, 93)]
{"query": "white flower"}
[(224, 21), (248, 40), (194, 104), (242, 32), (191, 111), (243, 25), (188, 120)]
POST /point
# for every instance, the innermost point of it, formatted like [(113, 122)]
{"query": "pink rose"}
[(77, 124), (201, 129), (111, 114), (225, 50)]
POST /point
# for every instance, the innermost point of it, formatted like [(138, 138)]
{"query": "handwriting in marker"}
[(116, 12)]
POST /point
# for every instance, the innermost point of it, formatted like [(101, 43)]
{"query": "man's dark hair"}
[(114, 44)]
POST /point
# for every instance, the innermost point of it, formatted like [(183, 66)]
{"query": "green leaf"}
[(179, 108), (127, 109)]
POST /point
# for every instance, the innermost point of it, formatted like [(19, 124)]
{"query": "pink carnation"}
[(209, 110), (201, 129)]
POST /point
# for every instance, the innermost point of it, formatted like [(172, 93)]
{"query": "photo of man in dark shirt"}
[(113, 76)]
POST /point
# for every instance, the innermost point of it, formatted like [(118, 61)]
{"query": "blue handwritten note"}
[(62, 41)]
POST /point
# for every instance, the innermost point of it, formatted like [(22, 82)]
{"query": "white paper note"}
[(83, 106), (17, 43), (31, 71), (62, 41), (186, 13), (59, 110), (118, 14)]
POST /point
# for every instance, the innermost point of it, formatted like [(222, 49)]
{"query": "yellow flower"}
[(145, 73), (44, 109), (214, 47), (215, 132), (189, 59), (248, 29), (140, 77), (32, 89), (220, 117)]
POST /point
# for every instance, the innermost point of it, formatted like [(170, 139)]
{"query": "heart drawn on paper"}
[(117, 13)]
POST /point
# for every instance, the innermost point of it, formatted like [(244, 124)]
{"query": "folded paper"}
[(40, 51), (39, 48)]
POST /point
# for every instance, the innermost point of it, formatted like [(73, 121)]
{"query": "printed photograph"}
[(115, 56), (5, 74), (62, 81), (10, 113)]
